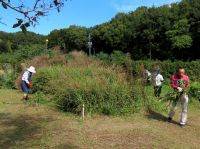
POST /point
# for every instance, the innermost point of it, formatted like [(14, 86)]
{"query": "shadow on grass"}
[(158, 116), (66, 146), (19, 131)]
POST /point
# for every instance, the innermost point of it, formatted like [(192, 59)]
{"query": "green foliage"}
[(7, 76), (195, 90), (102, 90), (170, 32), (119, 58), (20, 39), (14, 60), (74, 37), (5, 46), (39, 83), (28, 52), (182, 42), (168, 67), (179, 35), (103, 56)]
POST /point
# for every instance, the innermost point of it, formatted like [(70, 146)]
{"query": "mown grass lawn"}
[(32, 126)]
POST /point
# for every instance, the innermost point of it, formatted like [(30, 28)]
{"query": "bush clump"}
[(194, 90), (100, 88)]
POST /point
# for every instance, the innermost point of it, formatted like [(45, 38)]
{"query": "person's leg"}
[(172, 110), (155, 92), (159, 91), (25, 90), (184, 105), (25, 97)]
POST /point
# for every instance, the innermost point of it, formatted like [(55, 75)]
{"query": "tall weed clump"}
[(102, 89)]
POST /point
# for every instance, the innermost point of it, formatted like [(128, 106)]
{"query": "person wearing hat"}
[(25, 83)]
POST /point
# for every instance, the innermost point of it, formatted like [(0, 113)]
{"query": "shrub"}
[(7, 76), (167, 67), (195, 90), (102, 89), (103, 56)]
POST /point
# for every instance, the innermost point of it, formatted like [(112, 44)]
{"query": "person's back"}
[(158, 80)]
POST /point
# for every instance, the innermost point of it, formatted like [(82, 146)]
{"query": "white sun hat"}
[(31, 69)]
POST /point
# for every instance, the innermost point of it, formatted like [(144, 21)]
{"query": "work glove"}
[(30, 84), (179, 89)]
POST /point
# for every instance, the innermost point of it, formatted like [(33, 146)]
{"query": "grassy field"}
[(32, 126)]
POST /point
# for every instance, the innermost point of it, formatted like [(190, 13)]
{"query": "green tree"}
[(179, 36)]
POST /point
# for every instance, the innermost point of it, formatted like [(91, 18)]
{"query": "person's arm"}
[(172, 81)]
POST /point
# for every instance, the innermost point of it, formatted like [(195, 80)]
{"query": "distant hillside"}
[(12, 41)]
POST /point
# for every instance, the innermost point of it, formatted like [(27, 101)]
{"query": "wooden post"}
[(83, 112)]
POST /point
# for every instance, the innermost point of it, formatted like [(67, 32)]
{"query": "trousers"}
[(184, 107)]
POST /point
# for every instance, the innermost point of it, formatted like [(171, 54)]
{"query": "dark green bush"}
[(39, 82), (103, 56)]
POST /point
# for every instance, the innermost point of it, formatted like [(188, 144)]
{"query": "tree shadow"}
[(19, 130), (159, 117), (66, 146)]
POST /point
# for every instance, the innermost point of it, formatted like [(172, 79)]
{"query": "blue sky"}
[(79, 12)]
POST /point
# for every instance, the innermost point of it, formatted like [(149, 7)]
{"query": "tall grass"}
[(101, 88)]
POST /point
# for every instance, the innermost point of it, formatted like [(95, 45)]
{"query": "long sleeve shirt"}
[(26, 77), (179, 81)]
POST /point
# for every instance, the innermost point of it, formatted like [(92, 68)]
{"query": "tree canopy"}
[(165, 32)]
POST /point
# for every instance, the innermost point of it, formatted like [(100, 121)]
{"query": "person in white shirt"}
[(147, 77), (26, 81), (158, 80)]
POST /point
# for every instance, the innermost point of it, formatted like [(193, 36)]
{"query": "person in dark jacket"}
[(26, 81)]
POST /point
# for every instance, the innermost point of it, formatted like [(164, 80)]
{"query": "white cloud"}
[(131, 5), (124, 7)]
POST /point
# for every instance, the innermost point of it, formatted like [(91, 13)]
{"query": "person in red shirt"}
[(180, 82)]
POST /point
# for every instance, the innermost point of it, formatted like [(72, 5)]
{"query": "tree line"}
[(10, 42), (165, 32)]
